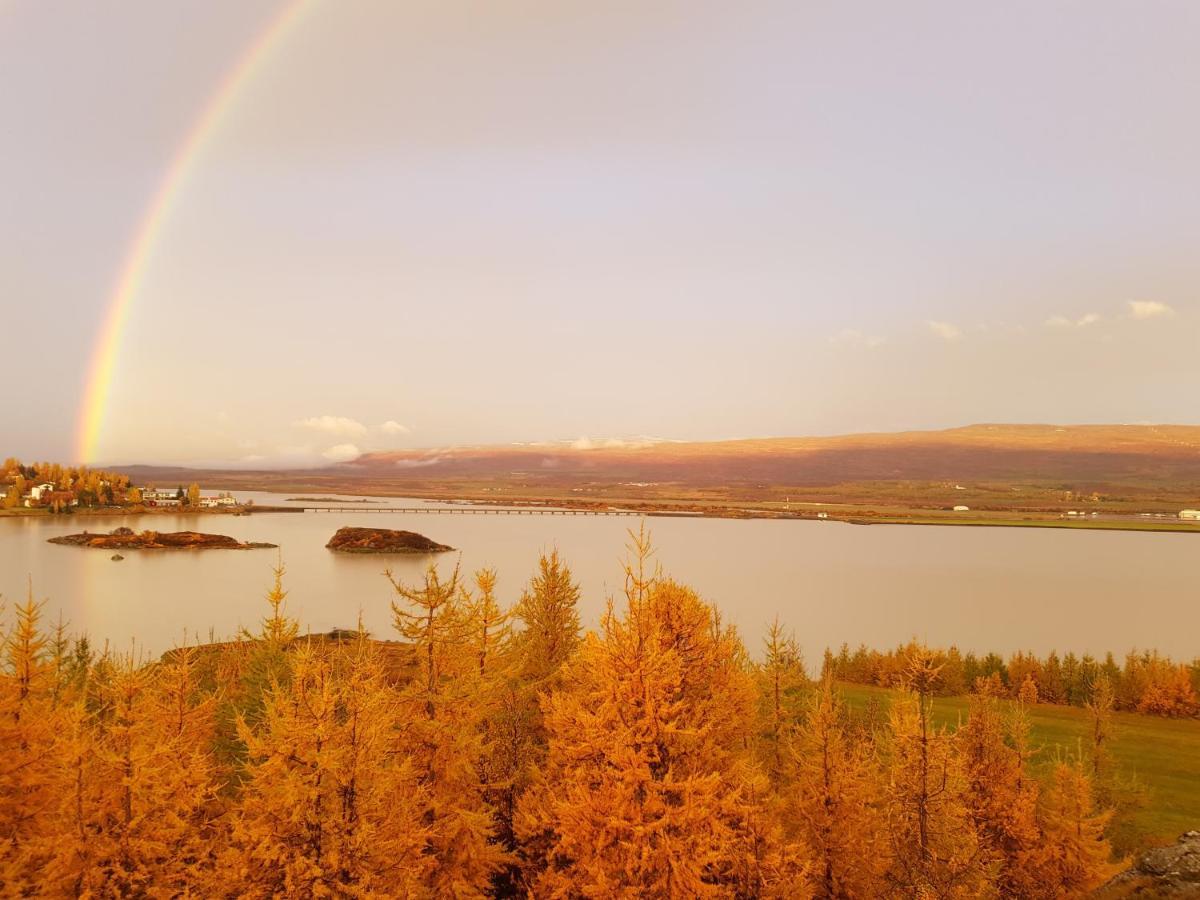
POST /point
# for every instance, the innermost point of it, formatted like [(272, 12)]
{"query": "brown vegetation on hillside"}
[(989, 467)]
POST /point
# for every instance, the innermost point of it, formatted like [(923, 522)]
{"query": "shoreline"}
[(679, 509)]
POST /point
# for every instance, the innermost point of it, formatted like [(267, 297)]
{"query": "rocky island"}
[(383, 540), (128, 539)]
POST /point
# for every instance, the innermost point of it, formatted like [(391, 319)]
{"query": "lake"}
[(984, 589)]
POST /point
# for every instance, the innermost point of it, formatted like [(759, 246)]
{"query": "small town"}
[(61, 489)]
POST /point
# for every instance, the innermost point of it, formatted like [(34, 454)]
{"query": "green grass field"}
[(1162, 754)]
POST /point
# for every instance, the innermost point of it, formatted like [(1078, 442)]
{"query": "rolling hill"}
[(1040, 466)]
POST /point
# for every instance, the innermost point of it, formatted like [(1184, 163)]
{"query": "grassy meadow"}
[(1161, 755)]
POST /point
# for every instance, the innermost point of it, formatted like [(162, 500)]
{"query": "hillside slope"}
[(1047, 468)]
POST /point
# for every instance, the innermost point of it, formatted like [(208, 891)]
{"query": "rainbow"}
[(106, 352)]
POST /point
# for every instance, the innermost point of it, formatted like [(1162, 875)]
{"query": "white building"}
[(1189, 514), (160, 498), (962, 509), (37, 491)]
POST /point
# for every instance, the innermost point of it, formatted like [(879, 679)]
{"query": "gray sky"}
[(488, 222)]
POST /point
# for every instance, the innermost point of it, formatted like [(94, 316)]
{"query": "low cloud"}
[(849, 337), (332, 425), (1082, 322), (1149, 309), (945, 330), (418, 463), (393, 427), (586, 443), (342, 453)]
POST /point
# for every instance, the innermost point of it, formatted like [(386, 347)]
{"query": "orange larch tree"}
[(1001, 796), (29, 728), (781, 683), (443, 737), (135, 794), (832, 800), (328, 808), (935, 847), (640, 794), (1075, 857)]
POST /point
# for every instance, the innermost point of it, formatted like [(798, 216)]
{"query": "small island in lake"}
[(383, 540), (128, 539)]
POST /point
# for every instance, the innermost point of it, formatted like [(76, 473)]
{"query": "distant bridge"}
[(481, 511)]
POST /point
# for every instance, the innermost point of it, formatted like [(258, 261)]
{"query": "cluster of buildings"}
[(151, 497), (47, 494)]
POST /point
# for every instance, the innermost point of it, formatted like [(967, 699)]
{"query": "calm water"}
[(983, 588)]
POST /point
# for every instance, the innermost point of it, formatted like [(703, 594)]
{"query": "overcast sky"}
[(426, 223)]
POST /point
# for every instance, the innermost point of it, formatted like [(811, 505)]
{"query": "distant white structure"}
[(962, 509), (1189, 514), (37, 491), (222, 499), (160, 498)]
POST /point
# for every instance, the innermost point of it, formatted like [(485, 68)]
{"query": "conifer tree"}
[(1100, 709), (551, 621), (638, 797), (1001, 797), (505, 705), (492, 626), (136, 794), (28, 728), (832, 800), (1028, 693), (253, 667), (1075, 856), (442, 736), (935, 845), (781, 680), (516, 737), (328, 808)]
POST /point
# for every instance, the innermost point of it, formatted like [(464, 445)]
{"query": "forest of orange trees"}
[(487, 751), (1146, 682)]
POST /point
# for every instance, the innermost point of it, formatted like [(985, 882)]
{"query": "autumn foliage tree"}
[(935, 842), (140, 787), (832, 800), (1075, 856), (1001, 796), (781, 683), (329, 808), (549, 613), (639, 796), (442, 737), (28, 734)]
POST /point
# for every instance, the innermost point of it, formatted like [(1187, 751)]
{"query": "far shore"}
[(712, 509)]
